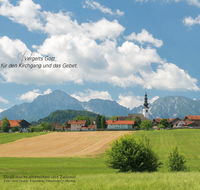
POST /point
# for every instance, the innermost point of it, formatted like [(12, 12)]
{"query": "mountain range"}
[(44, 105)]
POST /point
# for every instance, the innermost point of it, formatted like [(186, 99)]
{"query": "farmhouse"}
[(171, 121), (22, 124), (188, 121), (89, 128), (77, 124), (116, 124), (57, 126)]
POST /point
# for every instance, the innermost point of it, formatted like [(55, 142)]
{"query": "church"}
[(144, 116)]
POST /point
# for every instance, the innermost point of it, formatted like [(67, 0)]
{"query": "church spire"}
[(145, 101)]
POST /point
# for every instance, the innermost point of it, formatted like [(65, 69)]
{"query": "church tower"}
[(146, 108)]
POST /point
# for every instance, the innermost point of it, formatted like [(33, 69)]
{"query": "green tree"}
[(45, 126), (114, 117), (98, 121), (138, 121), (176, 161), (146, 124), (161, 126), (131, 154), (165, 123), (5, 126), (15, 128), (103, 122), (53, 129), (128, 119)]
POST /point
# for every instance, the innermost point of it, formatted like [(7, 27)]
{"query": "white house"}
[(119, 124)]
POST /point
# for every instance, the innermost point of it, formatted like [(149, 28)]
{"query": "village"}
[(120, 123)]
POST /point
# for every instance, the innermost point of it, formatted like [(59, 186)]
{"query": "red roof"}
[(159, 119), (193, 117), (119, 122), (91, 126), (13, 122), (80, 122)]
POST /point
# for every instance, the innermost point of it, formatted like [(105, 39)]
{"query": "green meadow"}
[(10, 137), (92, 173)]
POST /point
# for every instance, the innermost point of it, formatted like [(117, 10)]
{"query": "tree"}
[(131, 154), (137, 120), (103, 122), (98, 121), (165, 123), (161, 126), (5, 126), (128, 119), (114, 117), (146, 124), (176, 161), (15, 128), (45, 126)]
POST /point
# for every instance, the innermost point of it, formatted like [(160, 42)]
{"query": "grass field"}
[(10, 137), (92, 173), (188, 141)]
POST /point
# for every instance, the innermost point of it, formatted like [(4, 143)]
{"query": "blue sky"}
[(121, 49)]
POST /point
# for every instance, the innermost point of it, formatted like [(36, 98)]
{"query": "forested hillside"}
[(64, 115)]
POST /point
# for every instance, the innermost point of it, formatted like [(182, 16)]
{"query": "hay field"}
[(62, 144)]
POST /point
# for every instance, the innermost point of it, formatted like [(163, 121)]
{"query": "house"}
[(171, 121), (57, 126), (22, 124), (117, 124), (188, 121), (194, 118), (77, 124), (67, 126), (132, 117), (92, 127)]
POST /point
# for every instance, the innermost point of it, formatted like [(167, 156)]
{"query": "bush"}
[(176, 161), (38, 129), (165, 123), (20, 131), (130, 154), (146, 124), (161, 126), (15, 128)]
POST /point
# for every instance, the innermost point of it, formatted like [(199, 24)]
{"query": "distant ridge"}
[(44, 105)]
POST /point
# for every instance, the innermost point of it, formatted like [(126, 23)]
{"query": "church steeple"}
[(145, 101), (146, 108)]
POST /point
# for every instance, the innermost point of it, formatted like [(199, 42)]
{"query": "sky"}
[(108, 49)]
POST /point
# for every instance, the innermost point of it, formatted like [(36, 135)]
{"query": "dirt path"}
[(62, 144)]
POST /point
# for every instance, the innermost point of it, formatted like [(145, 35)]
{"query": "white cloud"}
[(92, 94), (26, 13), (194, 99), (129, 100), (95, 5), (189, 21), (190, 2), (169, 77), (143, 37), (4, 100), (105, 61), (31, 95)]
